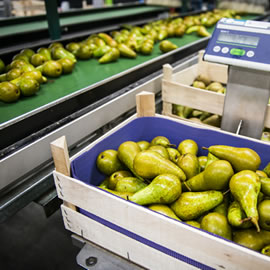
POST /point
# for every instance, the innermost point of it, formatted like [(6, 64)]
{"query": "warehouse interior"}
[(80, 80)]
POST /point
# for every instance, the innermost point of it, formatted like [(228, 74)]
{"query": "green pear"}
[(51, 69), (37, 59), (45, 52), (199, 84), (217, 223), (203, 78), (55, 44), (213, 120), (126, 51), (21, 57), (126, 154), (174, 154), (67, 65), (60, 52), (214, 86), (100, 51), (261, 173), (129, 184), (28, 87), (164, 210), (149, 164), (84, 52), (164, 189), (192, 205), (266, 250), (203, 32), (116, 176), (2, 66), (111, 56), (265, 188), (264, 214), (222, 208), (123, 195), (267, 169), (144, 145), (188, 146), (159, 149), (245, 187), (240, 158), (104, 183), (202, 162), (189, 164), (108, 162), (215, 177), (196, 113), (252, 239), (13, 74), (9, 92), (17, 64), (210, 159), (193, 223), (167, 46), (204, 115), (161, 140), (73, 47), (236, 216), (27, 52)]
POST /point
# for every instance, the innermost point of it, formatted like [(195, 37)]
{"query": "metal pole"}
[(53, 19)]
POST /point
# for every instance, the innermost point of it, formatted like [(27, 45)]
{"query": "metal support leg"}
[(246, 101), (53, 19)]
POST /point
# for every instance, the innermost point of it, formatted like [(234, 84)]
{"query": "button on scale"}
[(225, 50), (216, 49), (250, 53)]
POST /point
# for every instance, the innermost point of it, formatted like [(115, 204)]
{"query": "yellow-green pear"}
[(264, 214), (267, 169), (252, 239), (149, 164), (116, 176), (191, 205), (108, 162), (189, 164), (266, 250), (164, 210), (265, 185), (174, 154), (144, 145), (240, 158), (217, 223), (164, 189), (188, 146), (161, 140), (245, 187), (159, 149), (193, 223), (202, 161), (129, 184)]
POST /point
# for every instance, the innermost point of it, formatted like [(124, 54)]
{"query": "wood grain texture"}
[(145, 102), (172, 234)]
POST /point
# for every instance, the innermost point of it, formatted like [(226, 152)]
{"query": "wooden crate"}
[(134, 232), (177, 89)]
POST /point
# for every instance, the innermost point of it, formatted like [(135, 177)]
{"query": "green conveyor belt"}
[(33, 26), (85, 73)]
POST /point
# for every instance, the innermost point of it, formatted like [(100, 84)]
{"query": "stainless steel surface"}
[(92, 256), (246, 99), (30, 157)]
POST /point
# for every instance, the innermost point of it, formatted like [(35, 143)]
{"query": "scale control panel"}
[(242, 43)]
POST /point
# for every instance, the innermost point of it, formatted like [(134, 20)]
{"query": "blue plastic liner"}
[(146, 128)]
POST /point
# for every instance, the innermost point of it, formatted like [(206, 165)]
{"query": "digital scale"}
[(245, 47)]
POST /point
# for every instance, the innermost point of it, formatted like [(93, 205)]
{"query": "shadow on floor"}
[(29, 240)]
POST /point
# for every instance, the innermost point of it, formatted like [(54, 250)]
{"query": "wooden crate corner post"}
[(61, 160), (167, 76), (145, 104)]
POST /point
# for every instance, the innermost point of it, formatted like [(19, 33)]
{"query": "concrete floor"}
[(29, 240)]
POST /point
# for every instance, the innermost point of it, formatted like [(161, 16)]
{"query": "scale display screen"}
[(239, 39)]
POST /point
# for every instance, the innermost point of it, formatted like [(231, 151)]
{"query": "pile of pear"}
[(223, 192), (29, 69), (204, 117)]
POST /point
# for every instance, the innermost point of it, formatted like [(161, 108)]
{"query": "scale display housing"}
[(242, 43)]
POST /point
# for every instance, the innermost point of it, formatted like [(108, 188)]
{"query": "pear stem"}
[(245, 219), (226, 192), (186, 185), (255, 222), (205, 148), (171, 145)]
